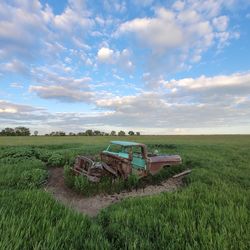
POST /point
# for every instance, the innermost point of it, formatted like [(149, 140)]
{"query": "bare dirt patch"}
[(92, 205)]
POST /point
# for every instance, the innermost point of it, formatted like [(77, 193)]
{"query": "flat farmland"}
[(210, 210), (103, 140)]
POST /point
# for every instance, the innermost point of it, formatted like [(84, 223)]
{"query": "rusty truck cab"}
[(135, 153), (127, 157)]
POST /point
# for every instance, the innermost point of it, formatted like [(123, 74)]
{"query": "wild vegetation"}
[(109, 186), (210, 212)]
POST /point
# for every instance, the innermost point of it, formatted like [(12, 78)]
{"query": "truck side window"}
[(137, 152), (114, 148)]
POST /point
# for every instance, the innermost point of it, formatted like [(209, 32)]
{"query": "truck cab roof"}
[(126, 143)]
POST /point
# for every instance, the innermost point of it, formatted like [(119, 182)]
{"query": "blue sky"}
[(158, 67)]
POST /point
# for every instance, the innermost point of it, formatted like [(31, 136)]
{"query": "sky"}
[(158, 67)]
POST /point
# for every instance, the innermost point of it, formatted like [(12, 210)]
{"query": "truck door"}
[(138, 160)]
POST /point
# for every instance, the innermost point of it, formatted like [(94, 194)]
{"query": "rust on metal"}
[(121, 161)]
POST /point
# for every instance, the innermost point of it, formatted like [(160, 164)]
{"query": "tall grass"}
[(212, 212), (108, 185), (32, 219)]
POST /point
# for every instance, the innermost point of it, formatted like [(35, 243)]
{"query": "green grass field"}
[(103, 140), (211, 212)]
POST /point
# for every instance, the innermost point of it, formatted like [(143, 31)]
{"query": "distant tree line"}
[(18, 131), (91, 132), (23, 131)]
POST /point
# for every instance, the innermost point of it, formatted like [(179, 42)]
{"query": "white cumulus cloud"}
[(105, 55)]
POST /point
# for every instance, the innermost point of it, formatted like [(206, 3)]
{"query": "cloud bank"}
[(146, 65)]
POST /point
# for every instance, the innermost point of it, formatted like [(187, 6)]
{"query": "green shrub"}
[(56, 160), (68, 176), (43, 154), (133, 181), (32, 178), (11, 160), (25, 173), (82, 184), (17, 152)]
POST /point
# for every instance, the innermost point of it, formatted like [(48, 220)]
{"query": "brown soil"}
[(92, 205)]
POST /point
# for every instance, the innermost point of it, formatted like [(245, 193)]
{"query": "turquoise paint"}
[(125, 143), (137, 162)]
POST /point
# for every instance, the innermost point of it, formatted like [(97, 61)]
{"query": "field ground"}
[(211, 212), (103, 140)]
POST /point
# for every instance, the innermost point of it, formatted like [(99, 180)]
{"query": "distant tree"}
[(72, 134), (22, 131), (81, 133), (97, 132), (58, 133), (35, 133), (131, 133), (18, 131), (89, 132), (106, 134), (61, 133), (138, 133), (121, 133), (8, 132), (113, 133)]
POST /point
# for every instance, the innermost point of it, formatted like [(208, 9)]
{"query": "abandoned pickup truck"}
[(120, 159)]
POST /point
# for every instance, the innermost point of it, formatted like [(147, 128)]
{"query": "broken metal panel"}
[(121, 166), (166, 159), (156, 163)]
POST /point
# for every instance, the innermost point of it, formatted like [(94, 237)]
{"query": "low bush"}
[(17, 152), (23, 174), (56, 160), (107, 185), (68, 177), (43, 154), (33, 178), (133, 181)]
